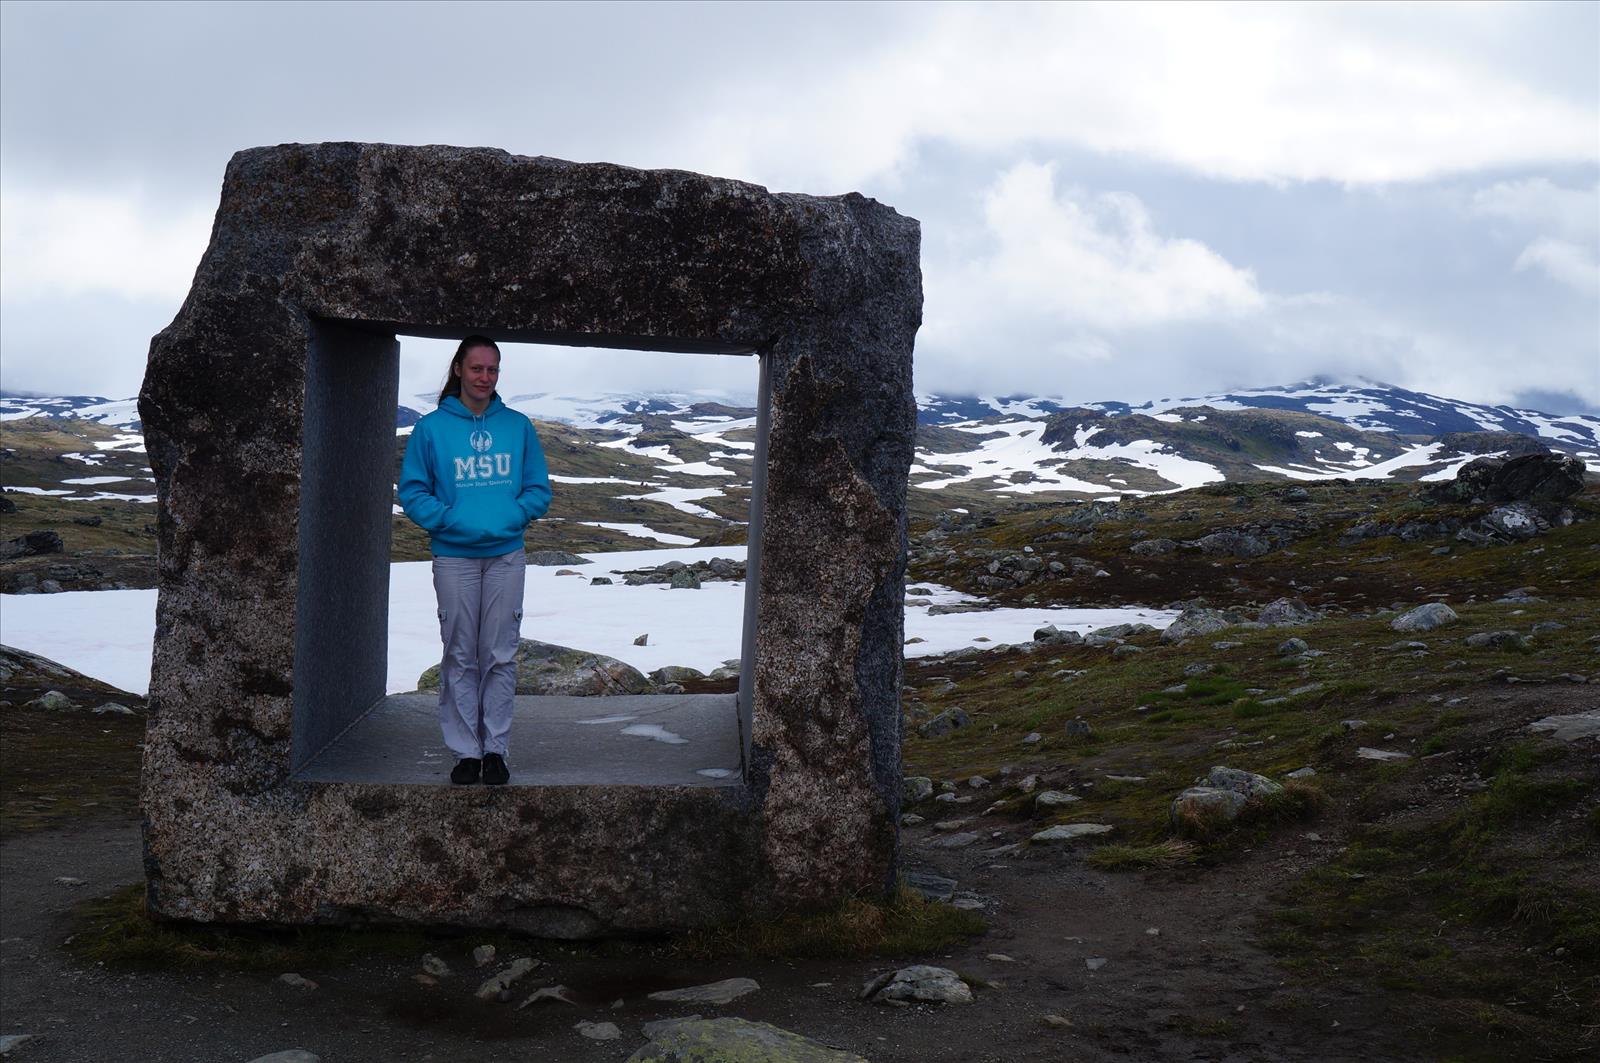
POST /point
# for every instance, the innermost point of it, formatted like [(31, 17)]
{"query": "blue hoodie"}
[(474, 481)]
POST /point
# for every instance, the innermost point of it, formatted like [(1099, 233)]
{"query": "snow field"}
[(109, 634)]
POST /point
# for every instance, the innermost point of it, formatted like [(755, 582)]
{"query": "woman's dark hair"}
[(452, 379)]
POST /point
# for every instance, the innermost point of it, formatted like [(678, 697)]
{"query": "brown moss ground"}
[(59, 768)]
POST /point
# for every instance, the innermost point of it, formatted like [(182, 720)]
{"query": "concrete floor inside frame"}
[(626, 740)]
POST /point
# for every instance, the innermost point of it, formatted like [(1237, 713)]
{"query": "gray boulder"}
[(1071, 832), (675, 673), (1286, 611), (1196, 620), (1541, 477), (547, 669), (32, 544), (1121, 631), (1497, 640), (1207, 805), (1425, 618), (1290, 647), (554, 558), (1514, 522), (919, 982), (942, 724), (730, 1040), (1232, 543), (1247, 783), (1153, 548), (724, 992), (914, 789), (1052, 635)]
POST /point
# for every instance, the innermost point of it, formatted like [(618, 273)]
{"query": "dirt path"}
[(1171, 996)]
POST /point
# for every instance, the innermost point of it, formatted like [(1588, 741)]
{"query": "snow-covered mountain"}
[(1018, 446)]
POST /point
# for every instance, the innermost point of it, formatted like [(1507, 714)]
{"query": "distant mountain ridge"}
[(976, 448)]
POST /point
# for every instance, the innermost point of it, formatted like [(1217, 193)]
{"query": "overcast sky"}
[(1117, 202)]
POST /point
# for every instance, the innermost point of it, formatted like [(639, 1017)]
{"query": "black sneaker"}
[(495, 772), (466, 771)]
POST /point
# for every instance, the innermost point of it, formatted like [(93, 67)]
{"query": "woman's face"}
[(479, 372)]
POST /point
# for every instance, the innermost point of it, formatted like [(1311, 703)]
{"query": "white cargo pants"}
[(480, 620)]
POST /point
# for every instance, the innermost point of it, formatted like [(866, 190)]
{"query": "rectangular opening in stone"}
[(357, 647)]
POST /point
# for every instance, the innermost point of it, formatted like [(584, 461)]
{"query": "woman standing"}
[(473, 477)]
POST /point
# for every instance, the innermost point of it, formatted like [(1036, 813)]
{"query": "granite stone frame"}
[(320, 254)]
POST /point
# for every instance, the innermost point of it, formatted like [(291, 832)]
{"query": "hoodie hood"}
[(455, 407)]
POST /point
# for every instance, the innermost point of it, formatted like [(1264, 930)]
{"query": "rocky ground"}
[(1404, 863)]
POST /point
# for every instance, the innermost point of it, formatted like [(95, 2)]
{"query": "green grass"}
[(1160, 856), (119, 932), (905, 925)]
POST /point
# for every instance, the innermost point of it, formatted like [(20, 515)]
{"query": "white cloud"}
[(63, 244), (1247, 93), (1539, 203), (1082, 264), (1563, 261), (1568, 220)]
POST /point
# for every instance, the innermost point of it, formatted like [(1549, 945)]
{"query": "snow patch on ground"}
[(109, 634)]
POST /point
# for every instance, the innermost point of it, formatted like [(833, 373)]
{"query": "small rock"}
[(911, 819), (549, 992), (425, 979), (999, 957), (1094, 963), (1290, 647), (295, 981), (289, 1055), (1198, 668), (932, 887), (483, 955), (1127, 650), (598, 1031), (957, 841), (52, 700), (977, 782), (1368, 753), (112, 708), (1079, 728), (1245, 782), (1028, 784), (1048, 799), (1569, 728), (734, 1039), (1497, 640), (1352, 725), (435, 966), (69, 881), (920, 982), (600, 581), (642, 640), (1032, 738), (915, 789), (500, 983), (723, 992), (1301, 773), (660, 1026), (1059, 1022), (1071, 832)]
